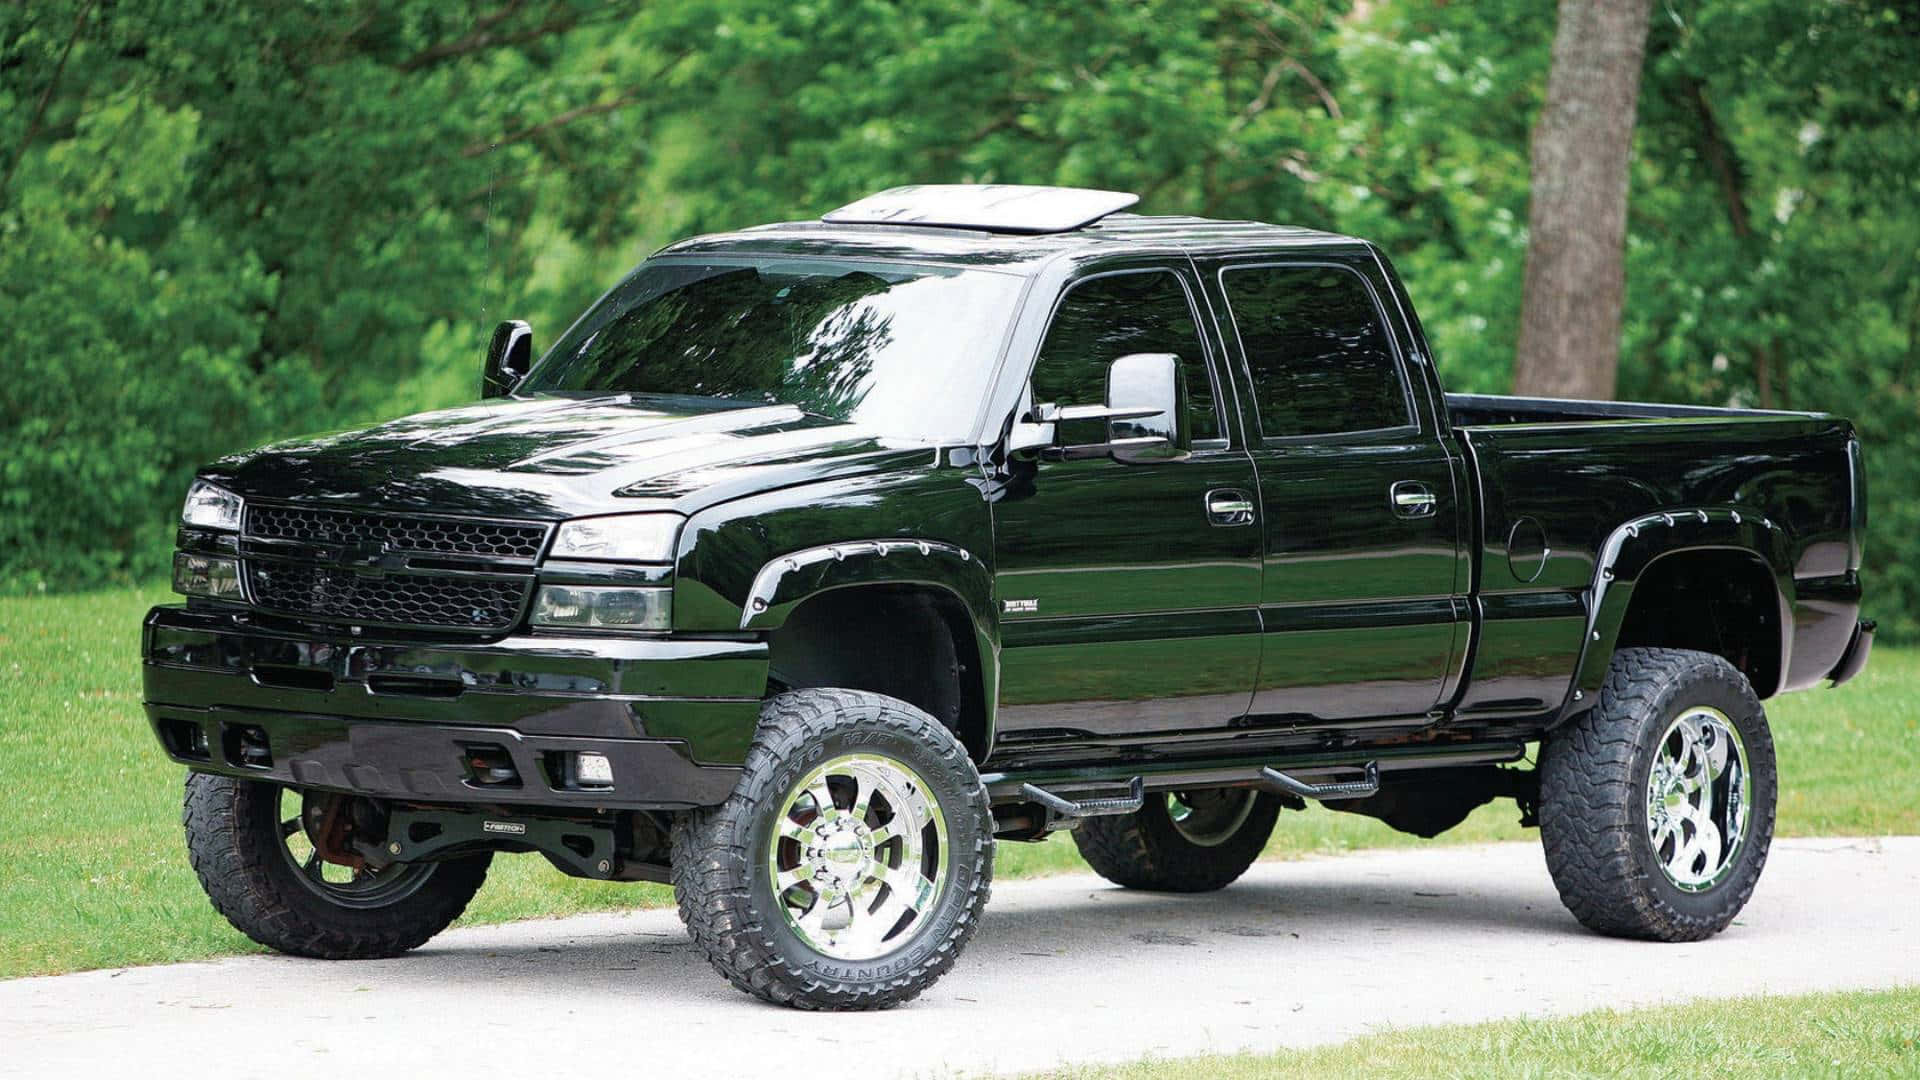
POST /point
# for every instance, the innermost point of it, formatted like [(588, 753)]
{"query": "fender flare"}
[(787, 581), (1635, 546)]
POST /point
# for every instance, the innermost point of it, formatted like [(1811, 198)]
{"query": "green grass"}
[(1861, 1033), (93, 872)]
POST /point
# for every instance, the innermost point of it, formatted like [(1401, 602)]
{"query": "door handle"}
[(1412, 499), (1227, 507)]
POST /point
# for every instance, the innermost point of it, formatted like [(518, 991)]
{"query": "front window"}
[(1106, 317), (903, 350)]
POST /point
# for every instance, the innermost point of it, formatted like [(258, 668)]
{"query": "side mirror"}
[(509, 358), (1146, 415), (1147, 408)]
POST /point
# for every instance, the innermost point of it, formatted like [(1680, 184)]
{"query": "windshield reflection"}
[(902, 350)]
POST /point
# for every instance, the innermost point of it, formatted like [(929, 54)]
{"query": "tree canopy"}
[(223, 222)]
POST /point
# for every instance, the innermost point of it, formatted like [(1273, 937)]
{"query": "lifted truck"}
[(817, 556)]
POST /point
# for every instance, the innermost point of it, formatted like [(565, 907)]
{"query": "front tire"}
[(1195, 841), (1657, 805), (849, 867), (242, 837)]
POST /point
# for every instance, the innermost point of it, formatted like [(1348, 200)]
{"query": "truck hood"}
[(558, 457)]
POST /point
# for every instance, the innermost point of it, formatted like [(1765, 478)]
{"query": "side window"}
[(1319, 357), (1105, 318)]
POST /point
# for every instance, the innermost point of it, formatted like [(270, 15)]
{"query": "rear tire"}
[(1185, 842), (849, 867), (1657, 805), (238, 841)]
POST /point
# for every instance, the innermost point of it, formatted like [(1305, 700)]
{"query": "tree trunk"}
[(1577, 216)]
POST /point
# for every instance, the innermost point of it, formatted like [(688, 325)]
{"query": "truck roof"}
[(1001, 226)]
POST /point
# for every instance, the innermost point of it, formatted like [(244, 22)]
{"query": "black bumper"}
[(1859, 648), (405, 720)]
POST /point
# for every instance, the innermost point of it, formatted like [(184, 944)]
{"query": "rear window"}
[(1317, 351)]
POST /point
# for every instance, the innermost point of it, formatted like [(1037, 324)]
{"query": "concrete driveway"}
[(1064, 969)]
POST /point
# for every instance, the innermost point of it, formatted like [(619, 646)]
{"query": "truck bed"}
[(1555, 479), (1474, 410)]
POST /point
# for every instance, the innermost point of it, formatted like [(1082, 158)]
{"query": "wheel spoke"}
[(823, 799), (1664, 832), (787, 879), (869, 929), (863, 785), (1717, 749), (796, 832), (813, 921), (1706, 846), (289, 827)]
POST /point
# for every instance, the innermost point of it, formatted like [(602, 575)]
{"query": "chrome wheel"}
[(1699, 799), (858, 856), (1210, 818), (303, 817)]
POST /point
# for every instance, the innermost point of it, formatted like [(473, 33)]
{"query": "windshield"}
[(905, 351)]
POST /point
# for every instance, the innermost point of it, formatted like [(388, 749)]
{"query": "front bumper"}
[(405, 720)]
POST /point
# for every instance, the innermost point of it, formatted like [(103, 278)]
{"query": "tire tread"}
[(221, 818), (711, 863), (1588, 820)]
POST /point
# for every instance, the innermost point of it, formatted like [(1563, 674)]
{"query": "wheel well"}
[(1723, 601), (912, 643)]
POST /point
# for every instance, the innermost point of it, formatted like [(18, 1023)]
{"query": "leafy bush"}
[(221, 224)]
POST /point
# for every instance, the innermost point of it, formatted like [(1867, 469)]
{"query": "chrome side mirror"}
[(1146, 415), (1147, 408), (509, 358)]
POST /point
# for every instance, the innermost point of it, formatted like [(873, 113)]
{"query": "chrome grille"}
[(503, 540), (428, 600)]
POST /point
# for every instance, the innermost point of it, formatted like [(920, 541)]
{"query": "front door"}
[(1364, 566), (1128, 589)]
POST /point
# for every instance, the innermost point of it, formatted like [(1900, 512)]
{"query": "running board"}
[(1066, 813), (1356, 789), (1312, 767)]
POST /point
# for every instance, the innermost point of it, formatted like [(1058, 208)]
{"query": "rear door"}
[(1360, 600), (1128, 588)]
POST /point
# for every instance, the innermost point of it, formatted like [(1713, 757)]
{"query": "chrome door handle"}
[(1228, 507), (1412, 499)]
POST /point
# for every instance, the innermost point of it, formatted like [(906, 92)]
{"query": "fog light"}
[(593, 770), (206, 575)]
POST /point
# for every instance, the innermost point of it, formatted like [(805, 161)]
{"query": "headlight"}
[(206, 575), (619, 538), (597, 608), (211, 507)]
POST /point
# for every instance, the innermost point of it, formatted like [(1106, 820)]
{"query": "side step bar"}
[(1357, 789), (1310, 767), (1066, 813)]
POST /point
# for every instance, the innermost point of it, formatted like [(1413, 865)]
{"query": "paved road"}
[(1063, 969)]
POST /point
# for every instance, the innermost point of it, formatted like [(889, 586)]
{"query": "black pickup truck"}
[(816, 557)]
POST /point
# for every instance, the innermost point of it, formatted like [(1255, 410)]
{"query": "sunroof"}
[(1012, 208)]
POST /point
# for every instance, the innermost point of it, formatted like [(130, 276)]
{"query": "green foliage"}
[(230, 223)]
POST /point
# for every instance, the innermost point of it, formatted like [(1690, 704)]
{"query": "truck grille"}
[(428, 600), (359, 567), (518, 541)]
